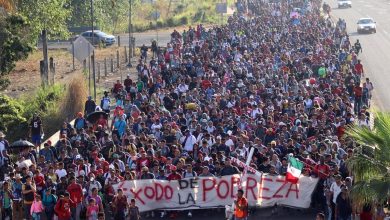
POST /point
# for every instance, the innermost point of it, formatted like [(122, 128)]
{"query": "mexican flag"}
[(294, 170)]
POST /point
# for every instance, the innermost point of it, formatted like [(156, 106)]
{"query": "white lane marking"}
[(387, 33)]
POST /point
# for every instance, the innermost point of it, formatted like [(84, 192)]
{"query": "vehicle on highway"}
[(366, 25), (344, 4), (99, 38)]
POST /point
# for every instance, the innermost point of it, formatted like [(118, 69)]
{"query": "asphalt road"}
[(376, 47), (259, 214)]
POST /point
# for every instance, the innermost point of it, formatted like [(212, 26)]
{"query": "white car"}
[(367, 25), (344, 4)]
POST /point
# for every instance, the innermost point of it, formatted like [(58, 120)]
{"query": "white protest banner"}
[(244, 165), (212, 192)]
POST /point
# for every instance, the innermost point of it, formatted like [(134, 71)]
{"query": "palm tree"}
[(371, 161)]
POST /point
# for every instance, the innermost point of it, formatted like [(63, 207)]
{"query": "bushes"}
[(12, 121), (54, 104)]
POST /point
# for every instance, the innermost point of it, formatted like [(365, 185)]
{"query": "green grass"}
[(182, 12)]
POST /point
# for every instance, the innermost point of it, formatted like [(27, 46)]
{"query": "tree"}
[(48, 18), (14, 45), (370, 164)]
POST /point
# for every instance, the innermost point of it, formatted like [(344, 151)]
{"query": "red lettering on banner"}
[(250, 187), (149, 189), (262, 188), (276, 195), (120, 186), (158, 188), (166, 188), (207, 188), (136, 195), (227, 189), (233, 181), (296, 190)]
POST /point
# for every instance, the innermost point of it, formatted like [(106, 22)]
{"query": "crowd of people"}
[(283, 78)]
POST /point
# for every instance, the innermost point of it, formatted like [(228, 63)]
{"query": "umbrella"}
[(22, 144), (94, 116)]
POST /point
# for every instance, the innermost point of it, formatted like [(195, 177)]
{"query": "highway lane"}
[(376, 47)]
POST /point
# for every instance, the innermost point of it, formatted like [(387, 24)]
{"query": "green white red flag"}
[(294, 170)]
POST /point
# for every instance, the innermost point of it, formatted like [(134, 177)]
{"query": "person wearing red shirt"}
[(174, 175), (39, 179), (322, 169), (358, 93), (359, 69), (76, 196), (143, 161), (62, 207), (117, 86), (206, 84)]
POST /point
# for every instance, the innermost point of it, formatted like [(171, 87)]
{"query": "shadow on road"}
[(355, 33)]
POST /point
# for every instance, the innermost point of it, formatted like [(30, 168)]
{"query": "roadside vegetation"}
[(54, 104)]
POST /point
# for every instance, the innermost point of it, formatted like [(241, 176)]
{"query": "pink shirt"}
[(36, 207), (92, 212)]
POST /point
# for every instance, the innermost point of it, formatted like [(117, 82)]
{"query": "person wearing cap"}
[(17, 194), (49, 200), (6, 198)]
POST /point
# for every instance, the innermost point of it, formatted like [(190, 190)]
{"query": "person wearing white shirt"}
[(120, 163), (61, 172), (188, 141), (256, 111), (210, 127), (182, 88), (335, 189), (156, 125)]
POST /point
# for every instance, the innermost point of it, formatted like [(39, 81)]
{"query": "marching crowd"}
[(283, 79)]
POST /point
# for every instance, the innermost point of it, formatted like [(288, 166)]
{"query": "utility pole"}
[(45, 58), (93, 54), (130, 34)]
